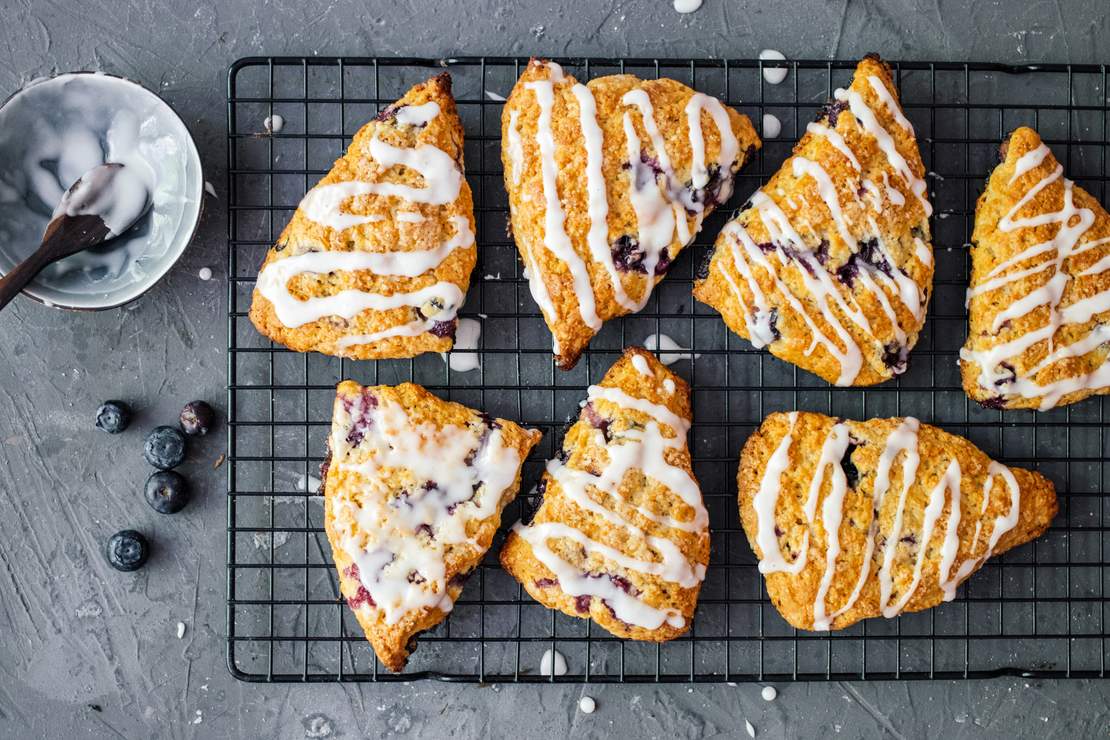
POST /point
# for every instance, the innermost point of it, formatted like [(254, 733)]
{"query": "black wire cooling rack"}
[(1039, 610)]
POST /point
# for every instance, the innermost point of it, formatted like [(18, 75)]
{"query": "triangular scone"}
[(810, 487), (376, 260), (413, 492), (1039, 301), (622, 535), (830, 264), (608, 181)]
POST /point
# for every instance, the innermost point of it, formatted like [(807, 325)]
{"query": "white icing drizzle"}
[(555, 235), (891, 104), (292, 312), (771, 559), (1002, 525), (729, 148), (655, 219), (416, 115), (442, 181), (668, 386), (640, 363), (631, 449), (871, 124), (598, 201), (1074, 222), (832, 511), (411, 217), (470, 471), (834, 137)]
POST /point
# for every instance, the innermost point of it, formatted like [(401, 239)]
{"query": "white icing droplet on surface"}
[(773, 75), (553, 663), (180, 630), (210, 189), (587, 705), (464, 356), (772, 126), (670, 350), (494, 96), (668, 386), (274, 123), (205, 273), (769, 693), (687, 6), (748, 727)]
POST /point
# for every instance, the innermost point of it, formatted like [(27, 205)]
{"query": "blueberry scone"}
[(830, 264), (413, 492), (1039, 301), (622, 535), (852, 520), (376, 260), (608, 181)]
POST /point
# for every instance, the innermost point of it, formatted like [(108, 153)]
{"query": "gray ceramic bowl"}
[(56, 128)]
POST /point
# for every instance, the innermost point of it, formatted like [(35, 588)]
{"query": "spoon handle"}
[(23, 273)]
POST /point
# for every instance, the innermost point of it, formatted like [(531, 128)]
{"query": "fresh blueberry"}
[(113, 416), (197, 418), (167, 491), (444, 328), (165, 447), (127, 550)]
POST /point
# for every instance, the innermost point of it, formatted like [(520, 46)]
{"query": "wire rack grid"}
[(1039, 610)]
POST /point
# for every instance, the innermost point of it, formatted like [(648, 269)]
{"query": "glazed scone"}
[(1039, 301), (413, 492), (622, 536), (830, 264), (852, 520), (608, 181), (376, 261)]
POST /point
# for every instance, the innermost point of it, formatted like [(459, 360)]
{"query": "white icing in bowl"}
[(53, 130)]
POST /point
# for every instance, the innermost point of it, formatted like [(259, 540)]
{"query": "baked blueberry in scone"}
[(376, 260), (852, 520), (608, 181), (622, 535), (830, 264), (413, 492), (1039, 301)]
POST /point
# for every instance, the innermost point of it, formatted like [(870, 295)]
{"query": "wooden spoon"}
[(104, 202)]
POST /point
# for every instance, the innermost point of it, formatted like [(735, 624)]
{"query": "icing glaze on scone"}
[(414, 491), (607, 182), (1040, 287), (377, 258), (829, 265), (622, 533), (860, 519)]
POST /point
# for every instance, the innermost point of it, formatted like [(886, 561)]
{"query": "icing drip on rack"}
[(598, 493), (421, 484), (995, 363), (945, 496)]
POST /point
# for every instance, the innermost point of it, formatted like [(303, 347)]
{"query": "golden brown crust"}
[(344, 488), (586, 449), (1002, 279), (794, 595), (881, 269), (389, 234), (520, 118)]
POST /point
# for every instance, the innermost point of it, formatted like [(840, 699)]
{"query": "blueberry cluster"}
[(166, 490)]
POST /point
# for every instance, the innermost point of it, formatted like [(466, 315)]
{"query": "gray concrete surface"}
[(87, 652)]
